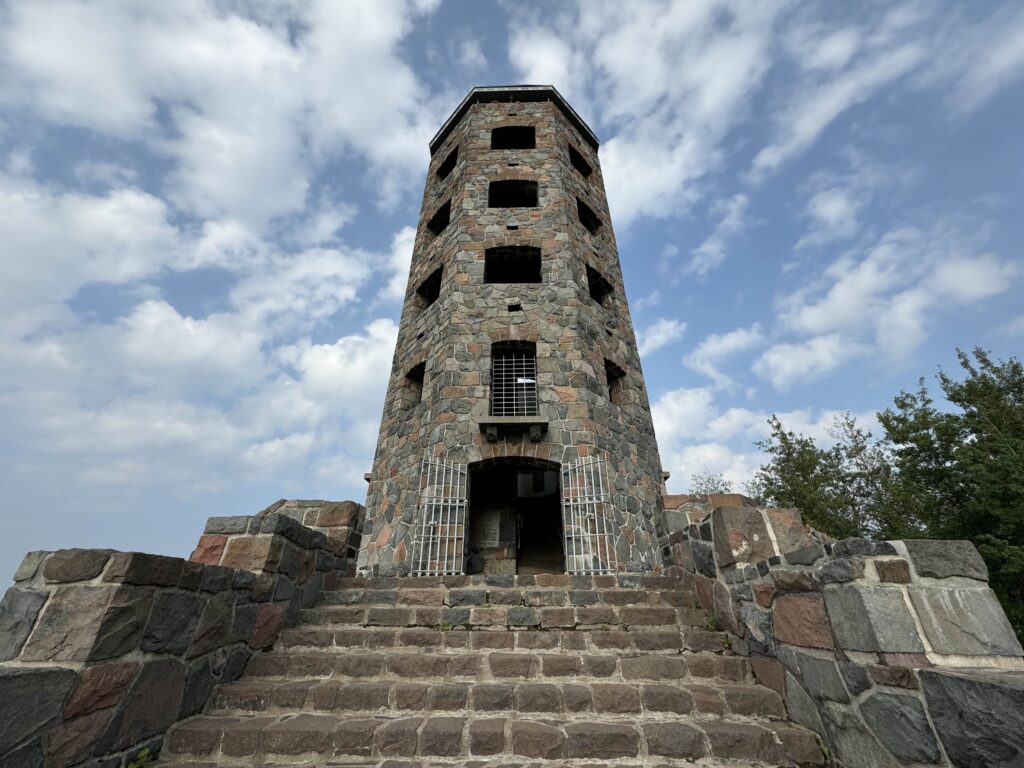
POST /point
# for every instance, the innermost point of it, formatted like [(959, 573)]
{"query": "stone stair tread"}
[(326, 738), (578, 698), (497, 664)]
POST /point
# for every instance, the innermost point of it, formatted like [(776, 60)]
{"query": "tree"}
[(709, 482)]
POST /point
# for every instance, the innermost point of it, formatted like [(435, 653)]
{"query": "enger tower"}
[(517, 433)]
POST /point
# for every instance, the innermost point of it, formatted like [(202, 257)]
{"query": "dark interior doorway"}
[(515, 519)]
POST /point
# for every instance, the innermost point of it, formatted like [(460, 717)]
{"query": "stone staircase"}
[(485, 671)]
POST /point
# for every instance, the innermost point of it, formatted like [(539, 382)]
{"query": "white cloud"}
[(709, 355), (984, 58), (471, 55), (813, 109), (786, 364), (711, 253), (398, 261), (660, 334)]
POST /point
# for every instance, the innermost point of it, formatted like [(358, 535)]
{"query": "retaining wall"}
[(894, 652), (102, 651)]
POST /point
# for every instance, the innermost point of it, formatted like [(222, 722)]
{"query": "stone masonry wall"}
[(893, 652), (573, 335), (102, 651)]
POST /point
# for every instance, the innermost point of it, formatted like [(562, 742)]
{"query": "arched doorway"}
[(515, 518)]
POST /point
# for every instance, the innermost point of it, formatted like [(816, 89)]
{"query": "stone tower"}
[(517, 433)]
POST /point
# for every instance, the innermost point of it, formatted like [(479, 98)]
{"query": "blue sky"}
[(206, 214)]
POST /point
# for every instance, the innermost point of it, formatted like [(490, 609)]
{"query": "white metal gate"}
[(441, 534), (585, 508)]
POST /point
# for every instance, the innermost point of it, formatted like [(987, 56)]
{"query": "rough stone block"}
[(228, 524), (31, 700), (530, 739), (144, 570), (151, 705), (852, 742), (29, 565), (492, 697), (209, 549), (173, 621), (900, 723), (839, 570), (676, 740), (601, 740), (68, 565), (397, 737), (790, 532), (868, 618), (355, 737), (967, 622), (521, 616), (893, 571), (740, 536), (299, 735), (667, 698), (100, 686), (442, 736), (941, 559), (863, 547), (978, 714), (741, 741), (800, 619), (486, 737), (822, 678), (68, 625), (770, 673), (18, 611), (801, 706), (616, 698), (538, 697)]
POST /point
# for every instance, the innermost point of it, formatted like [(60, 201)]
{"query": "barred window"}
[(513, 378)]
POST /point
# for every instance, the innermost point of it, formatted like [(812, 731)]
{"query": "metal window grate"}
[(441, 534), (513, 382), (585, 511)]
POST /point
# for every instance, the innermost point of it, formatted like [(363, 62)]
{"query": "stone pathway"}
[(488, 671)]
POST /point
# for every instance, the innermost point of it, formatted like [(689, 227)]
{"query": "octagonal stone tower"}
[(516, 435)]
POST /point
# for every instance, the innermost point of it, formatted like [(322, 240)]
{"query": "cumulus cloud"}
[(660, 334), (715, 349), (786, 364)]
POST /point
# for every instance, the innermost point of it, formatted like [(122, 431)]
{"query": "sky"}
[(207, 213)]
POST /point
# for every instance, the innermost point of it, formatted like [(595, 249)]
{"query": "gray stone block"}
[(942, 559), (852, 742), (978, 714), (821, 678), (18, 612), (855, 676), (967, 622), (801, 706), (805, 555), (839, 570), (30, 700), (863, 547), (172, 623), (29, 565), (227, 524), (759, 633), (869, 618), (67, 565), (900, 723)]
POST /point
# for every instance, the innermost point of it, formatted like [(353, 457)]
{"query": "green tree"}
[(709, 482)]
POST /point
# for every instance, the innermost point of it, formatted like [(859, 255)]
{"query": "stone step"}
[(326, 738), (494, 665), (543, 580), (588, 617), (678, 597), (671, 640), (575, 699)]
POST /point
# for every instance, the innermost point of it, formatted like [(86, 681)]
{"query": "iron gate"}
[(441, 534), (585, 508)]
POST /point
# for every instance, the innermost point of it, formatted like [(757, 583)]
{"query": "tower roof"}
[(514, 93)]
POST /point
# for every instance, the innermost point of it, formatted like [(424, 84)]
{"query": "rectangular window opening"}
[(513, 378), (412, 387), (512, 193), (512, 264), (599, 287), (445, 168), (514, 137), (430, 289), (587, 217), (439, 221), (578, 162), (615, 377)]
